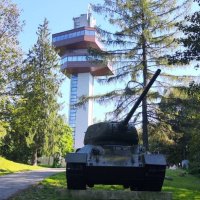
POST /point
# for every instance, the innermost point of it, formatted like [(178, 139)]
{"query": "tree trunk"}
[(34, 158), (144, 102), (145, 124)]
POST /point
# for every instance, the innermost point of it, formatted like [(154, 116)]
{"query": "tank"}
[(112, 156)]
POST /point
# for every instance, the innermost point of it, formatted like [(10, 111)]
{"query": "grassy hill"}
[(7, 167)]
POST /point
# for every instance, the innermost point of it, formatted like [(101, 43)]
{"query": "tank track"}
[(75, 176), (154, 178)]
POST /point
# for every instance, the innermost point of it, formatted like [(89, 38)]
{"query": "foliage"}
[(65, 142), (7, 167), (145, 31), (10, 56), (181, 112), (2, 129), (190, 42), (36, 127), (189, 119), (56, 163), (194, 93), (40, 86), (10, 51)]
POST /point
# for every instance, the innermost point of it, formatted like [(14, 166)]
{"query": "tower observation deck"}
[(72, 46)]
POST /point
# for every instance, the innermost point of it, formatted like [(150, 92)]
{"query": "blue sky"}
[(59, 14)]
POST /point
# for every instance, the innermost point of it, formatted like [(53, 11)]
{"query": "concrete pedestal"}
[(111, 195)]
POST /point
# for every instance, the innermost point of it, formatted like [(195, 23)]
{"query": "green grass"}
[(46, 166), (46, 189), (183, 188), (7, 167)]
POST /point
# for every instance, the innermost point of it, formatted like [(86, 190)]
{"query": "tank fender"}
[(76, 158), (155, 159)]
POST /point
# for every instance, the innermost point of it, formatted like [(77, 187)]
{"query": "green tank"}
[(112, 156)]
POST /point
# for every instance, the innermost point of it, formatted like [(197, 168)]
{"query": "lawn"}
[(183, 188), (7, 167)]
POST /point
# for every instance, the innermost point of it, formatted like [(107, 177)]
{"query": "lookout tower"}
[(72, 45)]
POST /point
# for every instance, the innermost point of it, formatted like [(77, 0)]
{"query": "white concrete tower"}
[(72, 45)]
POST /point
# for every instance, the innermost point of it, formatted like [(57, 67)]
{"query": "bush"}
[(194, 167), (56, 163)]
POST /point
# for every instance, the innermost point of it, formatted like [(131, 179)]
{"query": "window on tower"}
[(74, 34)]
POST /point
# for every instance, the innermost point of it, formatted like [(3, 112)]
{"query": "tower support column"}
[(84, 116)]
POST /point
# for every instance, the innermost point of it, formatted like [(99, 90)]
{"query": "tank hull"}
[(129, 167)]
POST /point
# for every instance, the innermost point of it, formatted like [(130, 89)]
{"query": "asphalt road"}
[(12, 183)]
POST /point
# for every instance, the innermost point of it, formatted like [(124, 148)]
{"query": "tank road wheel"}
[(75, 176)]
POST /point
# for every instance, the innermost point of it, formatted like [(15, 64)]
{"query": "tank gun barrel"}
[(130, 114)]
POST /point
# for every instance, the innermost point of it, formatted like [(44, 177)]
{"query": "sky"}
[(60, 13)]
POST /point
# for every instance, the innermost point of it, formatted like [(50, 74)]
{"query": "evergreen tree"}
[(145, 32), (40, 88)]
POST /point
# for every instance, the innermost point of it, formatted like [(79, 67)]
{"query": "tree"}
[(172, 135), (65, 142), (10, 51), (10, 55), (3, 123), (40, 87), (145, 32), (194, 143), (181, 114), (190, 42), (190, 51)]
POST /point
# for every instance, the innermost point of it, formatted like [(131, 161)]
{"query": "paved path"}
[(12, 183)]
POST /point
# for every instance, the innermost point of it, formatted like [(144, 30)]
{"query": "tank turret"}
[(120, 133), (112, 156)]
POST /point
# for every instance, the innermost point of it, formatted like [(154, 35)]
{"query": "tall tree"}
[(10, 55), (172, 132), (40, 88), (193, 126), (190, 51), (181, 112), (145, 32), (10, 51)]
